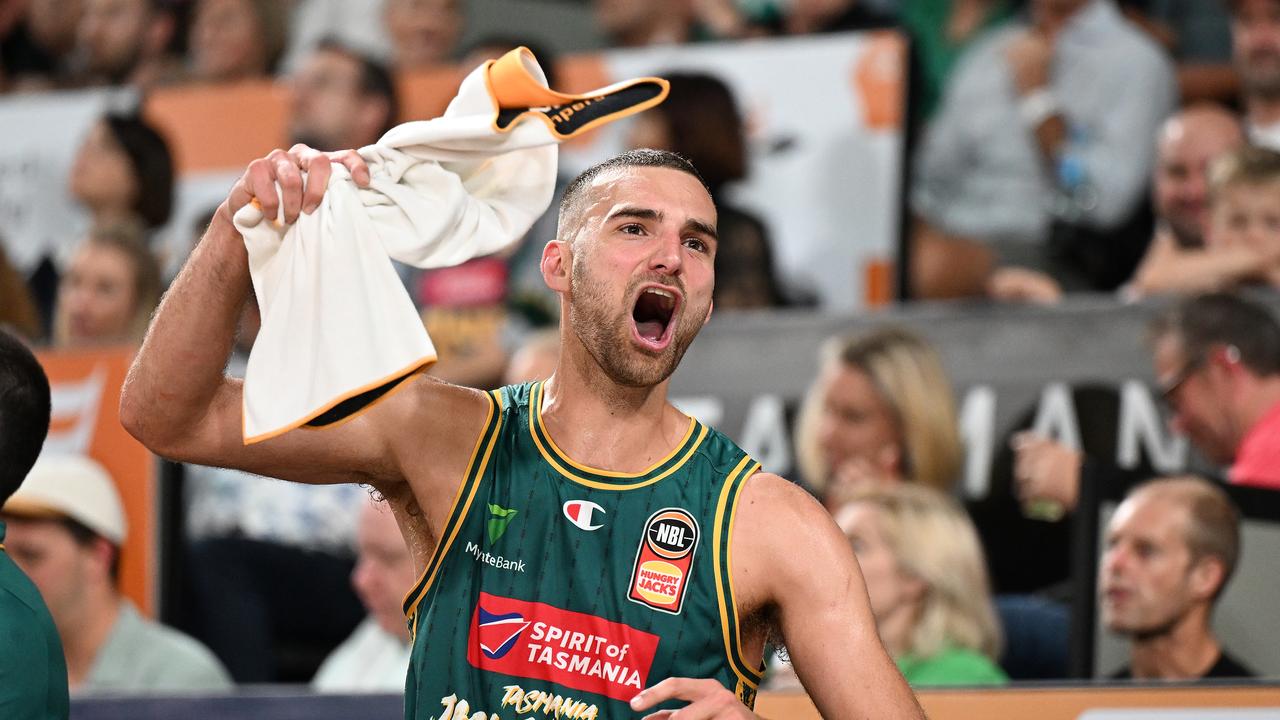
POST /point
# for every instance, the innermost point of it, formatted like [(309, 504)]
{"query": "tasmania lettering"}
[(576, 650)]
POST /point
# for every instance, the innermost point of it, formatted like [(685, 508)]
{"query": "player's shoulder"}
[(770, 501)]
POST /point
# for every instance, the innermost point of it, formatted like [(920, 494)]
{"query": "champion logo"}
[(499, 633), (581, 513)]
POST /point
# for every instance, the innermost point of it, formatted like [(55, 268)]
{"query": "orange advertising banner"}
[(85, 386)]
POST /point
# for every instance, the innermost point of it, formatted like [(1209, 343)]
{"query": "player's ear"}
[(710, 306), (557, 261)]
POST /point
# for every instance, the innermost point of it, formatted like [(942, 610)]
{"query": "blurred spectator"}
[(1245, 213), (1217, 360), (535, 359), (123, 172), (31, 659), (256, 545), (359, 26), (234, 40), (927, 582), (341, 99), (880, 412), (700, 121), (1177, 259), (17, 308), (109, 291), (376, 656), (818, 16), (1255, 37), (1171, 548), (423, 33), (940, 31), (1217, 363), (625, 23), (125, 42), (66, 527), (35, 52), (1045, 124), (1198, 35)]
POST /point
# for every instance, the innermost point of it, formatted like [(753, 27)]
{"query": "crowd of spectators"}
[(1062, 146)]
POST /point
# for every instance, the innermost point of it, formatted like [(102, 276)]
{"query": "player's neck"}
[(603, 425), (1185, 652)]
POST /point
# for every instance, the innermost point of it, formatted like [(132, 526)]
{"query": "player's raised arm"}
[(178, 402)]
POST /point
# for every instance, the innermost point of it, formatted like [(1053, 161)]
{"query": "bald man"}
[(1171, 548), (1177, 260)]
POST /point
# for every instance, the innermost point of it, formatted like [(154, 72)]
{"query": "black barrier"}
[(251, 704)]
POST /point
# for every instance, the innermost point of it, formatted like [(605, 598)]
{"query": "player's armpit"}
[(789, 554)]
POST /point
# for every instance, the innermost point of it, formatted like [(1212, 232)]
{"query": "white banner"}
[(823, 122)]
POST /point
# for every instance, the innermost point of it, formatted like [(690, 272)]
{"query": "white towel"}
[(338, 329)]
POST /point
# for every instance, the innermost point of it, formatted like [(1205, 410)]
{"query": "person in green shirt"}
[(33, 672), (928, 584)]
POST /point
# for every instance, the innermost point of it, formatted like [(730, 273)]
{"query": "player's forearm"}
[(179, 371)]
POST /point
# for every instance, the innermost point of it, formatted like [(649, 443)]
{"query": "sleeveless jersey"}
[(560, 591)]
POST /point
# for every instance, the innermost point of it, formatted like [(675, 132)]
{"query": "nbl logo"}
[(664, 560), (672, 535)]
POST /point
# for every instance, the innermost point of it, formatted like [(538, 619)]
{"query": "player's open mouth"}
[(652, 316)]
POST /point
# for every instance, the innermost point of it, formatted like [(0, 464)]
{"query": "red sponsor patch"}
[(660, 577), (541, 642)]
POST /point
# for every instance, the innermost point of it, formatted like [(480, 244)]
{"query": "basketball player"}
[(586, 550)]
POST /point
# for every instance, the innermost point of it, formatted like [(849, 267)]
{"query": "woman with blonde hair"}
[(880, 411), (927, 581), (110, 289)]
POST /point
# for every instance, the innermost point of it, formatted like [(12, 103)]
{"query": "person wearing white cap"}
[(33, 673), (66, 527)]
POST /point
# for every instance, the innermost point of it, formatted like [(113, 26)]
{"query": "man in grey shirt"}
[(1051, 119), (66, 525)]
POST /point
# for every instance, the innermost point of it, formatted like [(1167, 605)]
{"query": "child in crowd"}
[(1244, 212)]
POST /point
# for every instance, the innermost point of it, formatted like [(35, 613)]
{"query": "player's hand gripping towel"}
[(338, 328)]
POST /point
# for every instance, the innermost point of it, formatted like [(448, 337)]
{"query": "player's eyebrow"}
[(639, 213)]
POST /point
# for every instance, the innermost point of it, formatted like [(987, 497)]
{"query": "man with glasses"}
[(1217, 363), (1217, 360)]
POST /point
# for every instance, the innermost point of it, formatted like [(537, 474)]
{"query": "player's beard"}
[(607, 335)]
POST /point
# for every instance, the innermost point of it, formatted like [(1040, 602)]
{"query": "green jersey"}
[(33, 672), (558, 590)]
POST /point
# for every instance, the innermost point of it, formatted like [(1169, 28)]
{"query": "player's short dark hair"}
[(571, 202), (1224, 318), (376, 79), (24, 412)]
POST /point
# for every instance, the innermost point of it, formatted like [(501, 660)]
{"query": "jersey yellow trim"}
[(535, 412), (609, 486), (471, 477), (728, 559), (728, 625)]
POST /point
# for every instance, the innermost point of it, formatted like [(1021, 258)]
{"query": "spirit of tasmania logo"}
[(542, 642)]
